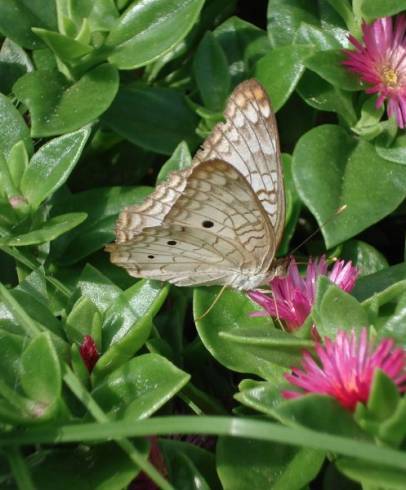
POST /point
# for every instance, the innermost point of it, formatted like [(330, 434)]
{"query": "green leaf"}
[(137, 115), (211, 73), (371, 284), (323, 96), (280, 70), (244, 44), (384, 396), (102, 207), (51, 166), (14, 62), (232, 311), (13, 127), (128, 323), (58, 107), (249, 463), (140, 387), (17, 162), (322, 38), (18, 16), (50, 230), (147, 30), (98, 288), (203, 461), (396, 152), (179, 160), (41, 376), (356, 176), (64, 47), (184, 473), (82, 319), (11, 346), (372, 475), (339, 311), (366, 258), (328, 65), (96, 467), (380, 8), (285, 18)]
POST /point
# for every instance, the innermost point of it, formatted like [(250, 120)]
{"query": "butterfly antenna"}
[(330, 218), (220, 294)]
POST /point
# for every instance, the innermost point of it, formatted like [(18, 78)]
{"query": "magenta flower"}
[(381, 62), (346, 368), (292, 297), (88, 352)]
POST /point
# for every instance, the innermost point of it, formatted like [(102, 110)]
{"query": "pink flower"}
[(381, 62), (346, 368), (88, 352), (292, 297)]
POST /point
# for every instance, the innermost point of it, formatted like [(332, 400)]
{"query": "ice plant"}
[(346, 368), (380, 61), (292, 297), (89, 353)]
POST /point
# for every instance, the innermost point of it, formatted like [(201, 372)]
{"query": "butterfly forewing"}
[(219, 221), (248, 140)]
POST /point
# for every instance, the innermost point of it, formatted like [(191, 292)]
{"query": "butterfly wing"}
[(248, 140), (205, 225)]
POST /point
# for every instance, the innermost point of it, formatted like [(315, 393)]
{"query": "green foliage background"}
[(101, 99)]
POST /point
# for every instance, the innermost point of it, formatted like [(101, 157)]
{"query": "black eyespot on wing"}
[(207, 224), (171, 242), (151, 256)]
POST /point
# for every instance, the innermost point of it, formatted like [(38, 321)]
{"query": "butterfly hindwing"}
[(215, 229)]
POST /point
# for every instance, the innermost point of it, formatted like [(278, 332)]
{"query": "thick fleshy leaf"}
[(98, 467), (236, 339), (338, 310), (51, 99), (102, 207), (373, 283), (137, 115), (243, 44), (128, 323), (140, 387), (14, 62), (211, 73), (19, 16), (372, 475), (280, 70), (366, 258), (285, 18), (380, 8), (396, 152), (147, 30), (331, 168), (13, 127), (82, 319), (179, 160), (248, 463), (64, 47), (203, 461), (50, 230), (328, 65), (41, 376), (326, 97), (98, 288), (51, 165)]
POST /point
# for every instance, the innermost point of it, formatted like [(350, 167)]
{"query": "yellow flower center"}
[(390, 77)]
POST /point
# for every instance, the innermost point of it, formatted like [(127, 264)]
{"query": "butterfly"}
[(220, 221)]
